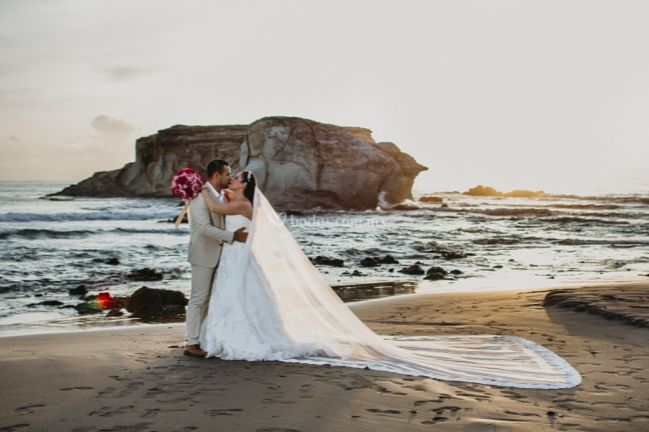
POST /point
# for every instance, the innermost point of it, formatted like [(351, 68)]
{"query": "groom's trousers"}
[(198, 301)]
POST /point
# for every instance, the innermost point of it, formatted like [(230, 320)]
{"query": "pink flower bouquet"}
[(185, 185)]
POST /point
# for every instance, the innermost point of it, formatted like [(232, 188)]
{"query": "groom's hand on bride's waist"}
[(241, 235)]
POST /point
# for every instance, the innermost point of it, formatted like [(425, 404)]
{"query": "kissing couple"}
[(256, 296)]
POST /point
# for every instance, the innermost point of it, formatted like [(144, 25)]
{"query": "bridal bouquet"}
[(185, 185)]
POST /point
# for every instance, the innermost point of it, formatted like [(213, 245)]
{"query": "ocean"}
[(50, 245)]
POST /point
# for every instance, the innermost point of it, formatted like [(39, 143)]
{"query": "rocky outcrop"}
[(299, 163), (629, 304), (481, 190)]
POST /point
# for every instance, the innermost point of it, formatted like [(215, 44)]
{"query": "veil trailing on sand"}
[(315, 319)]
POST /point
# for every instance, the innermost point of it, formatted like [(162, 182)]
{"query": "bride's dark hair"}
[(251, 182)]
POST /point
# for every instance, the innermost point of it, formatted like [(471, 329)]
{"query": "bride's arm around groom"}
[(202, 226)]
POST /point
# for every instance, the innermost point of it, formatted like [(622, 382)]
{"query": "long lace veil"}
[(313, 316)]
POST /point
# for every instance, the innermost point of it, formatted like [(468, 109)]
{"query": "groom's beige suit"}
[(205, 243)]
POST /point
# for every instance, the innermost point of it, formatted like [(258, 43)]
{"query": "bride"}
[(269, 302)]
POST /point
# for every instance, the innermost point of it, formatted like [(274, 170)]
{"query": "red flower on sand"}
[(104, 300)]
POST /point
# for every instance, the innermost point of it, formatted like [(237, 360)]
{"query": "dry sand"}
[(136, 379)]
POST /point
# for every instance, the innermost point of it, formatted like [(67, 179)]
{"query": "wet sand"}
[(136, 378)]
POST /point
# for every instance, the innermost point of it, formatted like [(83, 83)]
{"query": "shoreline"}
[(137, 379), (96, 323), (482, 245)]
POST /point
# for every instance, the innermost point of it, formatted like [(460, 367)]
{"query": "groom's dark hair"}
[(215, 166)]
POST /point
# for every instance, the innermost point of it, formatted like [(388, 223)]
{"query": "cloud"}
[(28, 156), (111, 129)]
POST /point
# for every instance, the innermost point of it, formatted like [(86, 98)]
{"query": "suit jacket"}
[(207, 234)]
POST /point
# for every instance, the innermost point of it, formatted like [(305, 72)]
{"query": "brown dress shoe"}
[(194, 351)]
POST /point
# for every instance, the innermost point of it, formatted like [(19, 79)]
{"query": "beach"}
[(136, 378), (469, 178)]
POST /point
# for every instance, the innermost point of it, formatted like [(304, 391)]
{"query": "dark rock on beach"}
[(387, 259), (354, 273), (372, 290), (145, 275), (299, 163), (448, 254), (98, 303), (115, 312), (443, 252), (150, 302), (435, 273), (369, 262), (375, 261), (87, 308), (80, 291), (323, 260), (46, 303), (184, 220), (414, 269)]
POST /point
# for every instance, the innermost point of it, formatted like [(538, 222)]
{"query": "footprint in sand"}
[(14, 427), (452, 409), (480, 397), (614, 387), (515, 396), (137, 427), (106, 391), (436, 419), (117, 378), (223, 412), (110, 411), (75, 388), (28, 409), (306, 391), (153, 392), (277, 401), (391, 392), (524, 414), (386, 412), (151, 412)]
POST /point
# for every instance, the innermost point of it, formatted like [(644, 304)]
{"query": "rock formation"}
[(299, 163), (481, 190)]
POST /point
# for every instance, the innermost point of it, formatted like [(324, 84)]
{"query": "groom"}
[(205, 243)]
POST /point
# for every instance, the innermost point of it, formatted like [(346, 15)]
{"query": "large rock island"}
[(299, 163)]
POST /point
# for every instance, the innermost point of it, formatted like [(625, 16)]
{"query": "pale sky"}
[(550, 95)]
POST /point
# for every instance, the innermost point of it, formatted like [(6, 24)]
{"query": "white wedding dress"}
[(269, 302)]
